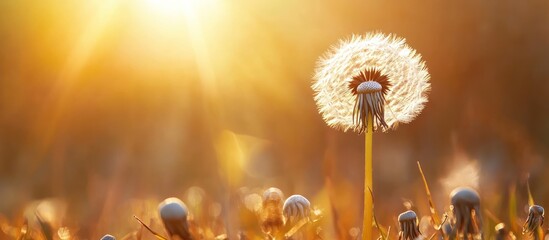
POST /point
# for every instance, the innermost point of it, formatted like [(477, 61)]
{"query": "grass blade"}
[(383, 236), (434, 214), (530, 198), (157, 235)]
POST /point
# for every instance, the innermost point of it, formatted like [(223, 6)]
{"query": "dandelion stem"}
[(367, 220)]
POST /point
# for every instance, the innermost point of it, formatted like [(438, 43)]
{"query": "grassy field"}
[(107, 108)]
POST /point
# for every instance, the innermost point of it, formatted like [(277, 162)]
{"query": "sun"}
[(166, 8)]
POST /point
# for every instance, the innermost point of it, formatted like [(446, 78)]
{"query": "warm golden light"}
[(163, 8), (108, 107)]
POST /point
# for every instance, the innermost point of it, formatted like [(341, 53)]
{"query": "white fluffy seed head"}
[(406, 72), (108, 237), (296, 207), (173, 208)]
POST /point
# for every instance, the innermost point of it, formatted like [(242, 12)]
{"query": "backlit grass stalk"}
[(379, 229), (536, 216), (530, 198), (434, 215)]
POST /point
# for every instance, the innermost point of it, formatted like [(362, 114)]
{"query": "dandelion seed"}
[(536, 215), (409, 229), (174, 216), (370, 73), (296, 207), (466, 209)]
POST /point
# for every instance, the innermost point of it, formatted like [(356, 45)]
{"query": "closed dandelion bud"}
[(467, 215), (271, 211), (409, 228), (535, 218), (173, 213), (108, 237), (501, 232), (296, 207)]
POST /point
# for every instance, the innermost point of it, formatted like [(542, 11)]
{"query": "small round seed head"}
[(368, 87), (466, 210), (536, 215), (296, 207), (464, 195), (271, 211), (407, 216), (108, 237), (409, 229), (501, 232), (273, 194), (173, 208), (174, 216)]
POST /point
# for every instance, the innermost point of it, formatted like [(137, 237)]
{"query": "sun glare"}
[(165, 8), (169, 18)]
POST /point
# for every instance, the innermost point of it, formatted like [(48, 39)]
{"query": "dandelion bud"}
[(296, 207), (409, 229), (466, 210), (108, 237), (271, 211), (174, 216), (535, 218), (501, 232)]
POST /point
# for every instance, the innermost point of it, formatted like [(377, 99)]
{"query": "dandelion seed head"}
[(536, 215), (172, 208), (369, 87), (501, 232), (273, 194), (296, 207), (466, 209), (409, 229), (108, 237), (271, 218), (406, 75), (174, 216)]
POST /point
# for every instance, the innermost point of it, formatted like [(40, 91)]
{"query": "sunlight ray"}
[(68, 77)]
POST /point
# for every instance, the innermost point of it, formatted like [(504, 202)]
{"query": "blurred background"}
[(105, 105)]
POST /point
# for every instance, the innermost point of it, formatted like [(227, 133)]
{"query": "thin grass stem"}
[(155, 234), (530, 198), (434, 214)]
